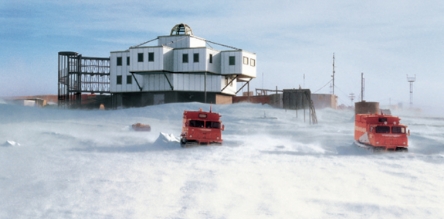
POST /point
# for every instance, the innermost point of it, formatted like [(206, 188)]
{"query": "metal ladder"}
[(312, 113)]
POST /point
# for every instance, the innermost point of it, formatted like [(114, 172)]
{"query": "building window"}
[(119, 79), (185, 58), (140, 57), (252, 62), (231, 60), (211, 58), (128, 60), (129, 79), (245, 60), (151, 57), (196, 57), (119, 61), (229, 81)]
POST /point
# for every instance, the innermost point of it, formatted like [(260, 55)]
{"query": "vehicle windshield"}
[(382, 129), (211, 124), (398, 129), (207, 124), (196, 123)]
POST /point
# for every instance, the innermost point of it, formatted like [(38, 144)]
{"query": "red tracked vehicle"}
[(141, 127), (200, 127), (380, 132)]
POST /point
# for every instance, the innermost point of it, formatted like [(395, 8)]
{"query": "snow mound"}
[(10, 143), (167, 139)]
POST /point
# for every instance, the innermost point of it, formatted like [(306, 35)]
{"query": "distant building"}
[(33, 101), (36, 102), (289, 98), (321, 101), (180, 68)]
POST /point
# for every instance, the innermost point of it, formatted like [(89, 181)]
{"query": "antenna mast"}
[(304, 81), (362, 86), (333, 76), (411, 80)]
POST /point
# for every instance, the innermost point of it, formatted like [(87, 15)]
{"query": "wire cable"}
[(323, 86), (145, 42)]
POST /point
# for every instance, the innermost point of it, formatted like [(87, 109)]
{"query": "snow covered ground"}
[(57, 163)]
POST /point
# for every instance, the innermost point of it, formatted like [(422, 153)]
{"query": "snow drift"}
[(83, 164)]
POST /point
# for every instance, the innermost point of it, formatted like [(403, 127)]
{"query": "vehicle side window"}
[(196, 123), (214, 125), (382, 129), (398, 130)]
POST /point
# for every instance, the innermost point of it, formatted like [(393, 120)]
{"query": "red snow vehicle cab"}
[(379, 131), (141, 127), (201, 127)]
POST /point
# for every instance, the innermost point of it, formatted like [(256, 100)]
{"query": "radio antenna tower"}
[(411, 80)]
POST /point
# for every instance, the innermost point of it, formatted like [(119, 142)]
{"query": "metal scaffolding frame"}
[(77, 75)]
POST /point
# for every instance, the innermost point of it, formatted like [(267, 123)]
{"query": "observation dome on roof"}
[(181, 29)]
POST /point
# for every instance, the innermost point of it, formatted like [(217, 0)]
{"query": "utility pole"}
[(411, 80)]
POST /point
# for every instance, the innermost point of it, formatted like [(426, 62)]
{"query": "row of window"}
[(119, 61), (252, 61), (140, 58), (231, 59), (129, 79), (207, 124), (386, 129), (195, 58), (245, 61)]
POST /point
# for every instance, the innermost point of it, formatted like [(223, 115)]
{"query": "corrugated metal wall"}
[(296, 98), (181, 41), (123, 71), (195, 82), (169, 72), (145, 65)]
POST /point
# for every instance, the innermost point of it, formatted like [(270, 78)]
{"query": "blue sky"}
[(385, 40)]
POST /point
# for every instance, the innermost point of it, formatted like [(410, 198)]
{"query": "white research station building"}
[(180, 68)]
